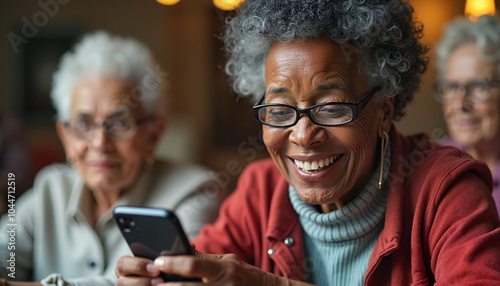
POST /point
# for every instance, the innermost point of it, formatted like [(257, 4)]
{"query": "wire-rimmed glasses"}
[(119, 128), (476, 90)]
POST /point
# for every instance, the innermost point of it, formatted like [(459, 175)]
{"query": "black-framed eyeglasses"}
[(325, 114), (476, 90), (119, 128)]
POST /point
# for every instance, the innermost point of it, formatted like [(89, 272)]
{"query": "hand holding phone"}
[(153, 232)]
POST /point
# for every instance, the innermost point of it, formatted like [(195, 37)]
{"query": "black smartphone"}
[(153, 232)]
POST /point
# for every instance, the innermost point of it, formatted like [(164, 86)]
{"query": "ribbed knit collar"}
[(359, 217)]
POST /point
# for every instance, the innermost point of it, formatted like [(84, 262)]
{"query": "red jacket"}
[(441, 223)]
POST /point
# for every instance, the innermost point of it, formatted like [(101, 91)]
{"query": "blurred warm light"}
[(476, 8), (227, 4), (168, 2)]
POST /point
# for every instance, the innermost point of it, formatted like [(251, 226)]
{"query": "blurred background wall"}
[(207, 123)]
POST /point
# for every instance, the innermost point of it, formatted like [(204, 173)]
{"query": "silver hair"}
[(103, 54), (383, 35), (485, 33)]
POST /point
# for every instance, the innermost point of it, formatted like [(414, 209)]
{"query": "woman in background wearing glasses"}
[(469, 89), (345, 198), (111, 114)]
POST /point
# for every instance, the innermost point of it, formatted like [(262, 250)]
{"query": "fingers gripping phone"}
[(153, 232)]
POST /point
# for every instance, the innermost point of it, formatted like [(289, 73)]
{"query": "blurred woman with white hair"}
[(110, 104), (469, 89)]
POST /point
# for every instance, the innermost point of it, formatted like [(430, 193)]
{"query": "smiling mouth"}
[(316, 166), (103, 165)]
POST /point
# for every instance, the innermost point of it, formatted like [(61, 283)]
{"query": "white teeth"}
[(307, 166), (315, 165)]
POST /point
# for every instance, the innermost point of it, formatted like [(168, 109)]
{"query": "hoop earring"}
[(383, 151), (150, 161)]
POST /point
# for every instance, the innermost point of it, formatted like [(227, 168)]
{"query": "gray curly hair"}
[(103, 54), (383, 34), (485, 33)]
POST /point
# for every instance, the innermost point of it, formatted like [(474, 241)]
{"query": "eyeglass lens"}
[(329, 114), (116, 128)]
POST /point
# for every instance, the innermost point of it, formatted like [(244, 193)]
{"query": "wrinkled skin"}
[(108, 166), (316, 71)]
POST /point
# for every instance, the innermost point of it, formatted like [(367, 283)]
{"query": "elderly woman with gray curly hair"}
[(345, 198)]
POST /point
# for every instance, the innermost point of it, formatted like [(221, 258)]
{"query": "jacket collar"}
[(282, 216)]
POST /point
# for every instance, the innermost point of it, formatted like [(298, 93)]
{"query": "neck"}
[(103, 201), (326, 208), (488, 153)]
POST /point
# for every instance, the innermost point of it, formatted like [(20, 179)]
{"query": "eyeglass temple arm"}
[(365, 100), (261, 99)]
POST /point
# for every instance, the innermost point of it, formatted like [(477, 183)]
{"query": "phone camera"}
[(127, 224)]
